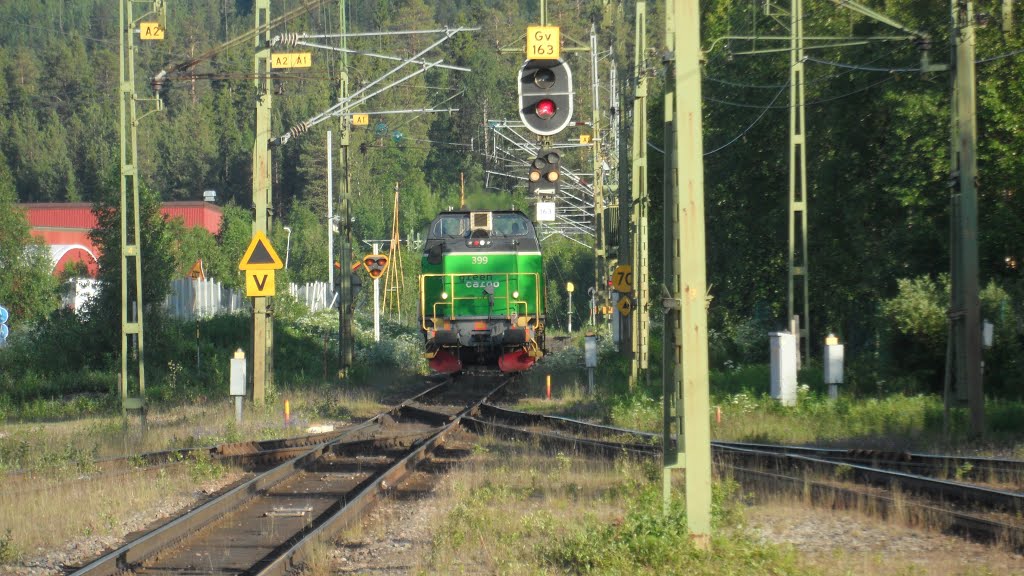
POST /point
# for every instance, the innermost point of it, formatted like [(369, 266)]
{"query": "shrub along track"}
[(822, 477), (266, 525)]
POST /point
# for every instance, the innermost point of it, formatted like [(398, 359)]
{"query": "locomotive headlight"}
[(444, 295), (515, 294)]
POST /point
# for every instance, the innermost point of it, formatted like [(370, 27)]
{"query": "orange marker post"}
[(718, 414), (549, 386), (287, 414)]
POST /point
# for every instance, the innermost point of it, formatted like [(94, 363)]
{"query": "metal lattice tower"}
[(133, 365)]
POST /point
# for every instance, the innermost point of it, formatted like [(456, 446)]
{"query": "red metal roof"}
[(70, 223)]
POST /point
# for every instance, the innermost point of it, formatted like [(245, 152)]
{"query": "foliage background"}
[(878, 158)]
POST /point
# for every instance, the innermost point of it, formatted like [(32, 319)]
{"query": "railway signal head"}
[(544, 172), (375, 264), (545, 96)]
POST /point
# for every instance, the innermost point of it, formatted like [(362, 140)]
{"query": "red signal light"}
[(545, 109)]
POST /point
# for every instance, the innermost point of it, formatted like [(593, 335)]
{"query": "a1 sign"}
[(622, 279), (292, 60)]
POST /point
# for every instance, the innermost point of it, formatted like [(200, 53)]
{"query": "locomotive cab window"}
[(450, 225), (512, 225)]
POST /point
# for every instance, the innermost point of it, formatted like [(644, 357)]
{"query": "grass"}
[(71, 446), (36, 509), (894, 422), (513, 510)]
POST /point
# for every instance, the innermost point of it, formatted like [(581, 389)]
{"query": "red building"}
[(65, 227)]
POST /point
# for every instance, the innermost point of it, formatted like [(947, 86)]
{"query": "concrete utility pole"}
[(687, 403), (345, 221), (600, 248), (799, 323), (966, 307), (263, 328), (638, 206)]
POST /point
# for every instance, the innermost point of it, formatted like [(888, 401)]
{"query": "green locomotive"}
[(482, 291)]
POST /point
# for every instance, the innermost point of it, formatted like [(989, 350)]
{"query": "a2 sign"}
[(375, 264)]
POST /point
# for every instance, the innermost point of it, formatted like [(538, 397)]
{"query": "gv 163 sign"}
[(543, 42)]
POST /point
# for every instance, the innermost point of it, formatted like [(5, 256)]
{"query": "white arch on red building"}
[(64, 253)]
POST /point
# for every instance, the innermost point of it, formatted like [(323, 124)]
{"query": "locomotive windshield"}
[(451, 225), (511, 225), (503, 224)]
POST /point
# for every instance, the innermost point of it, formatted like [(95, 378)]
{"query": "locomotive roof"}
[(478, 211)]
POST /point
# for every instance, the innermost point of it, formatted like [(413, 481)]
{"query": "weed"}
[(9, 552), (843, 471), (203, 468), (963, 470)]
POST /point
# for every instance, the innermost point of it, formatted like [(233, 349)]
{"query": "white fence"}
[(315, 295), (204, 298)]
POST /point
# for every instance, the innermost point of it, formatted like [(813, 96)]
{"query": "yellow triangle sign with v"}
[(260, 255)]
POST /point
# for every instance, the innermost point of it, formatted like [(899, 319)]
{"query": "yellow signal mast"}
[(394, 276)]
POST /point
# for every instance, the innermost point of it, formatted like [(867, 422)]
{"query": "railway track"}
[(996, 471), (823, 477), (266, 525)]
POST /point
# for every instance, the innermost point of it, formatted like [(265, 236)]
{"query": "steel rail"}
[(349, 513), (225, 450), (134, 553), (515, 416), (938, 488), (964, 467), (829, 495), (551, 440), (941, 489)]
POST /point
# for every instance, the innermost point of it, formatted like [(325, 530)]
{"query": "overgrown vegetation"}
[(515, 511)]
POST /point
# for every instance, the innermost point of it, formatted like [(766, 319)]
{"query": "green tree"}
[(233, 238), (28, 288), (158, 263)]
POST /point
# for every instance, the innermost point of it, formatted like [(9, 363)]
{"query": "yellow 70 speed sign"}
[(622, 279)]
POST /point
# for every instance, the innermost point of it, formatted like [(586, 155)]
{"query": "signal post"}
[(263, 328), (685, 380), (259, 263)]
